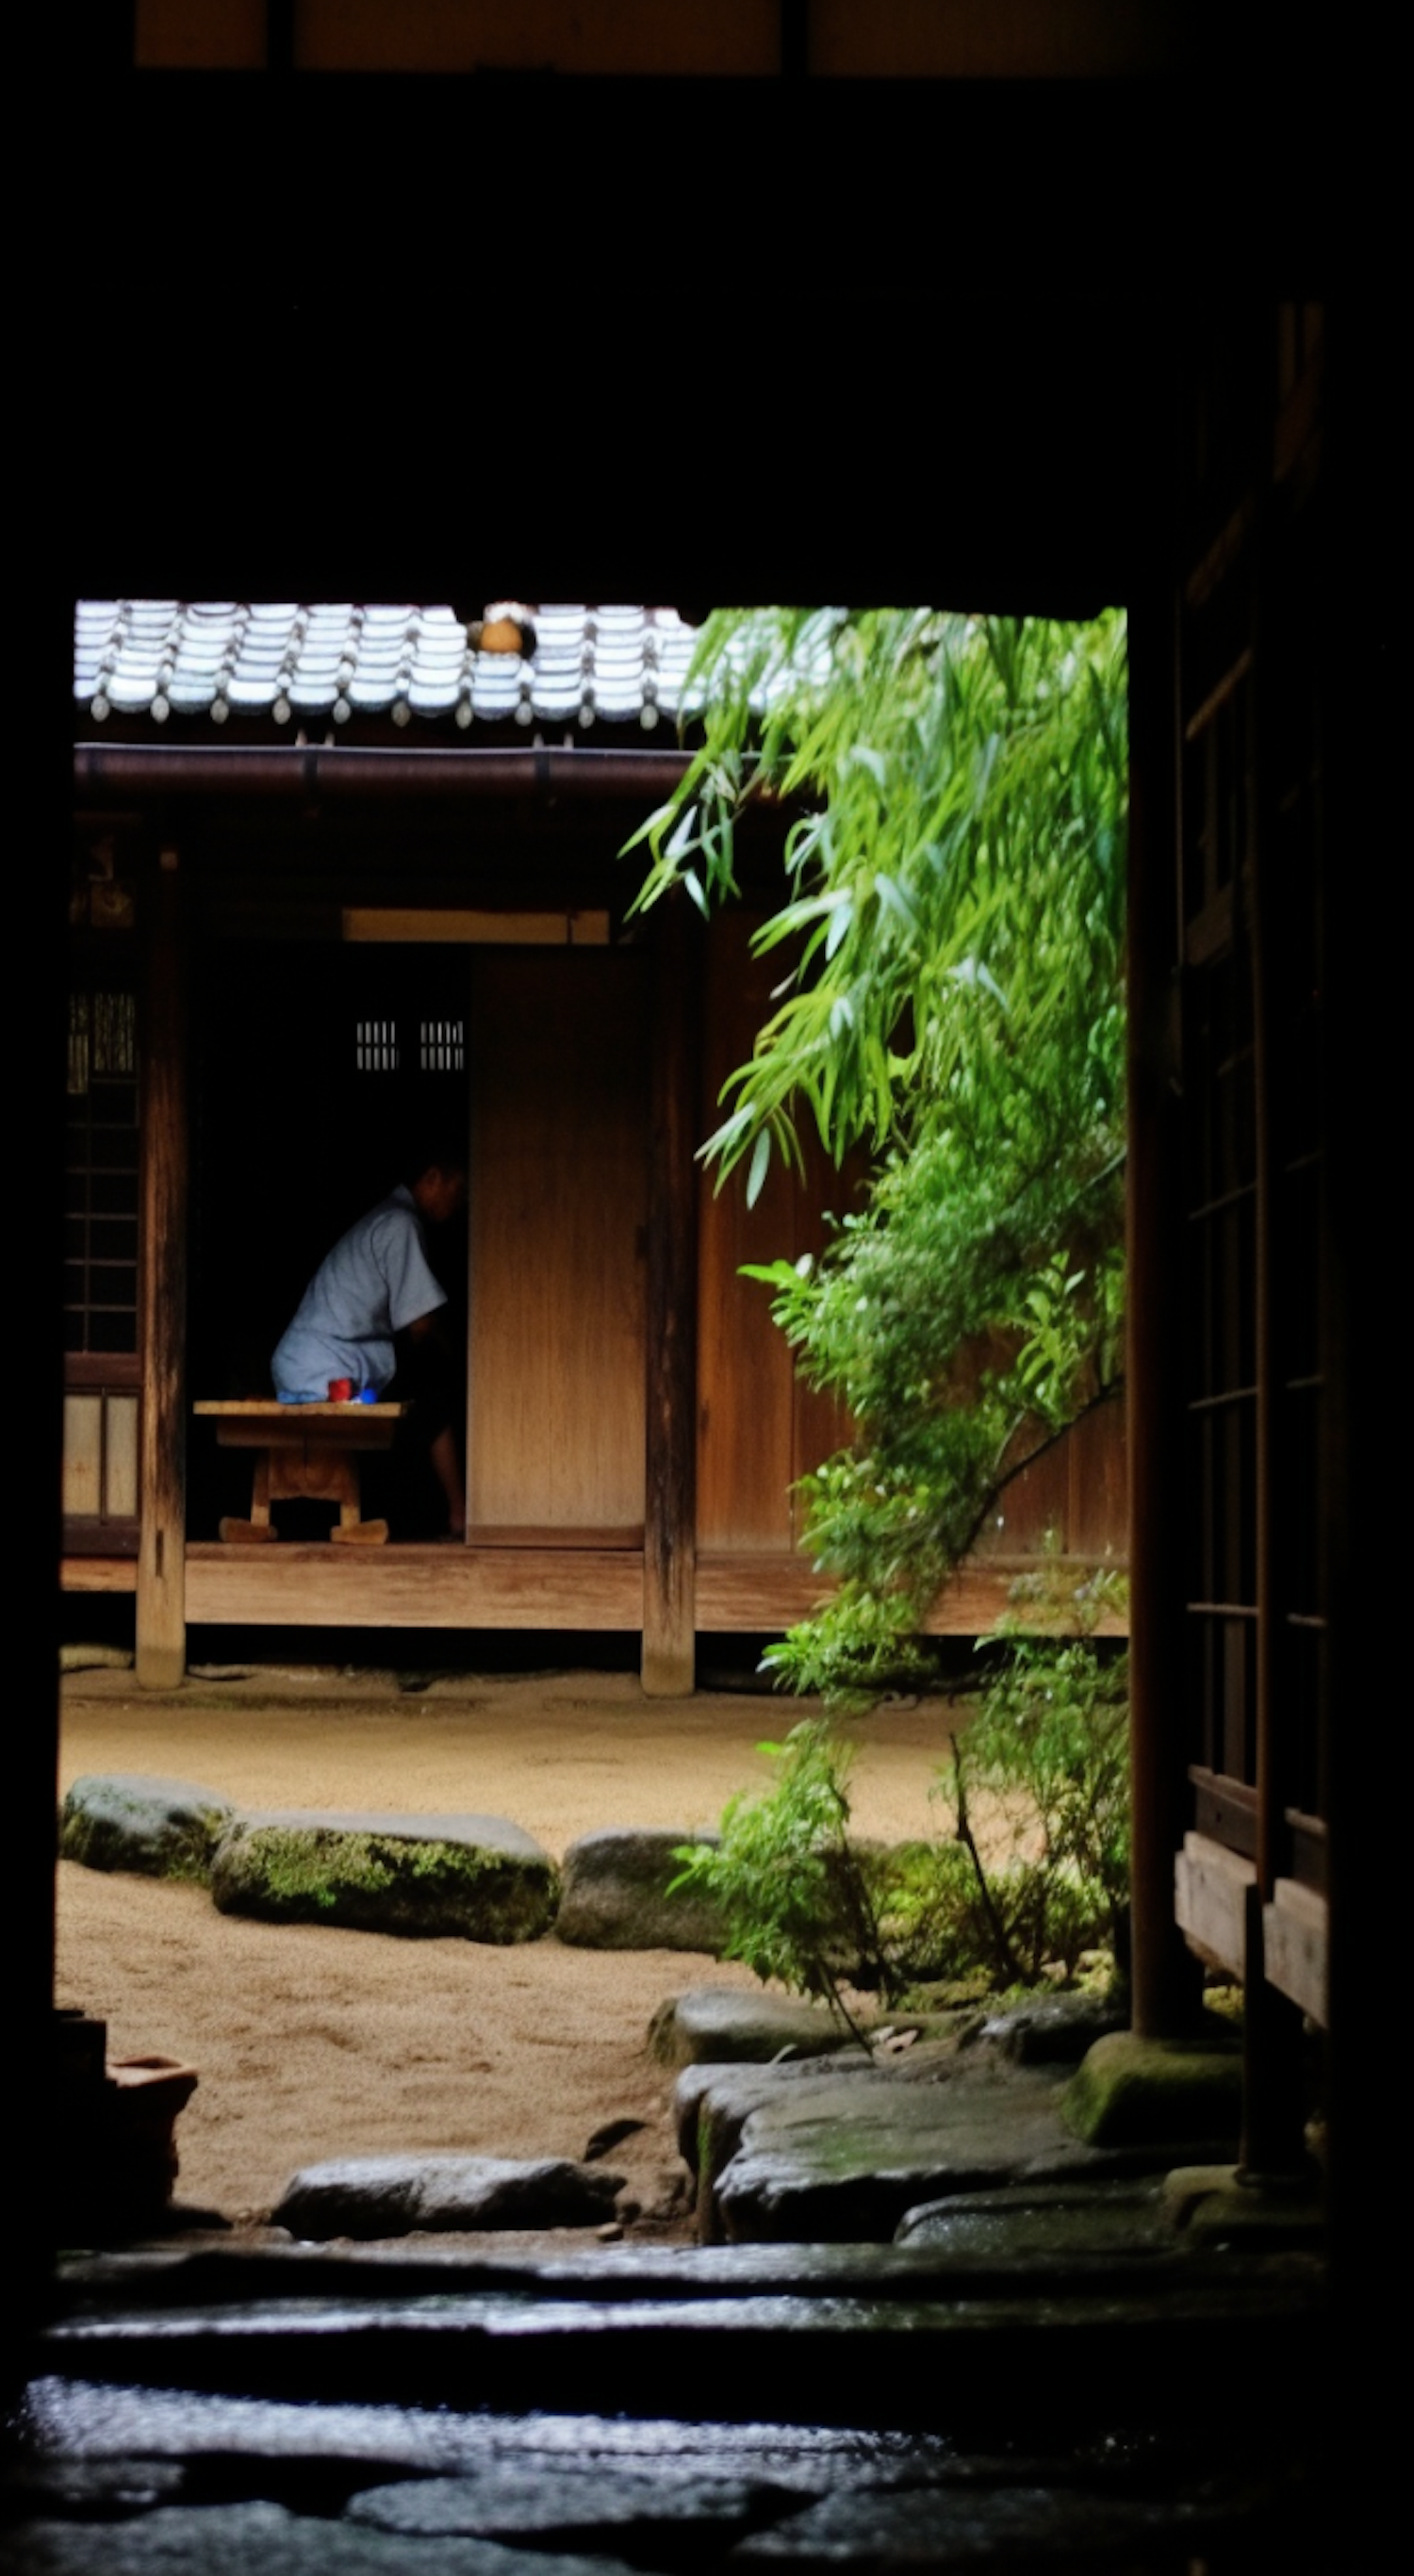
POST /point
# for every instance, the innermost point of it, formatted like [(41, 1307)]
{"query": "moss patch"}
[(154, 1828), (370, 1880), (1129, 2091)]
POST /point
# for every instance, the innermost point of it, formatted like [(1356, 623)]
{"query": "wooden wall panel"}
[(745, 1455), (1099, 1483), (415, 1587), (557, 1218), (759, 1427), (120, 1456), (83, 1454)]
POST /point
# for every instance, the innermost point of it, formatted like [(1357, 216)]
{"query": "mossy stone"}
[(477, 1878), (1129, 2091), (128, 1820)]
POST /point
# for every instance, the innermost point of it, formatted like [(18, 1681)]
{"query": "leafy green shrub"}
[(1045, 1880)]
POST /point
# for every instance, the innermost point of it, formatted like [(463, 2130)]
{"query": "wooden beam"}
[(162, 1498), (670, 1497), (563, 1581), (98, 1574), (1166, 1984), (1273, 2103), (476, 929), (1211, 1887), (294, 1585), (1296, 1935), (760, 1593)]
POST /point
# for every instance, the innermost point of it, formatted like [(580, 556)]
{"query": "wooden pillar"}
[(1166, 1980), (162, 1493), (670, 1496), (1273, 2108)]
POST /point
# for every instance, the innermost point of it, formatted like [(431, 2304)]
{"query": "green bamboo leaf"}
[(760, 1160)]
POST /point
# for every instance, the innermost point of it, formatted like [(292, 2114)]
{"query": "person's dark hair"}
[(432, 1149)]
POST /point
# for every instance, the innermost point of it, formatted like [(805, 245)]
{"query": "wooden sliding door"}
[(558, 1219)]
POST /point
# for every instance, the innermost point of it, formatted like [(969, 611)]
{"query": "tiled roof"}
[(330, 662)]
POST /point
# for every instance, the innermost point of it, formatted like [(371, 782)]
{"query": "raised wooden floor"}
[(542, 1586)]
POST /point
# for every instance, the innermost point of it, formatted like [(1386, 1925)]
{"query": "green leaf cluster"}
[(951, 944), (808, 1905), (1019, 1898)]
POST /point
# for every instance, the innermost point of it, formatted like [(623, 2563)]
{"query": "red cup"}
[(341, 1390)]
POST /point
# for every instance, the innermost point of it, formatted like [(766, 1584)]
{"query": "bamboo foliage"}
[(951, 941)]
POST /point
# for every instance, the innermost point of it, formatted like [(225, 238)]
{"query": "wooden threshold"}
[(98, 1574), (551, 1534)]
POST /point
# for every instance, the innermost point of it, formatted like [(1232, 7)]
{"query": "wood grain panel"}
[(758, 1427), (415, 1587), (120, 1454), (1099, 1483), (558, 1211), (753, 1591), (83, 1454), (98, 1574), (1035, 1502)]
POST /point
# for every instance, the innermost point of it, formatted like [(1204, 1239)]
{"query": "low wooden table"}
[(304, 1452)]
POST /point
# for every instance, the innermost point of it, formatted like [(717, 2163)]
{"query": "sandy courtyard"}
[(312, 2042)]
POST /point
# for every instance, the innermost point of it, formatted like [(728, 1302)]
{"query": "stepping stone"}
[(1043, 2222), (843, 2157), (713, 2025), (590, 2508), (262, 2539), (1054, 2030), (615, 1894), (479, 1878), (391, 2195), (973, 2526), (156, 1828)]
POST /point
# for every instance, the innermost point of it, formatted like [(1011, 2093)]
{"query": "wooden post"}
[(162, 1493), (670, 1501), (1273, 2107), (1166, 1980)]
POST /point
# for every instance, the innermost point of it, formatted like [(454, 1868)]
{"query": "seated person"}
[(377, 1284)]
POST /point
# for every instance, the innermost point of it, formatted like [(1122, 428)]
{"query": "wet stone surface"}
[(380, 2196), (843, 2158), (261, 2539), (1054, 2030), (576, 2507), (1045, 2220), (225, 2487)]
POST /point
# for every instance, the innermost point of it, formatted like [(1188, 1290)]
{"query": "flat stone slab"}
[(976, 2525), (615, 1894), (368, 2196), (1054, 2030), (1041, 2222), (589, 2508), (844, 2156), (479, 1878), (129, 1820), (714, 2026), (262, 2539)]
